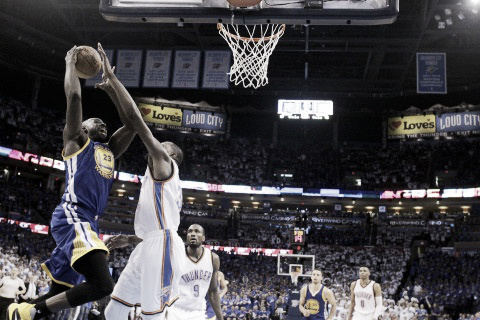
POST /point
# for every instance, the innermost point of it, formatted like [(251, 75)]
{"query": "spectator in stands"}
[(10, 287)]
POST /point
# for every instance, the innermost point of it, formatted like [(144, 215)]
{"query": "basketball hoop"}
[(294, 276), (251, 52)]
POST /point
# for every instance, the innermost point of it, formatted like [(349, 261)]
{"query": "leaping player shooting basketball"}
[(365, 298), (89, 161)]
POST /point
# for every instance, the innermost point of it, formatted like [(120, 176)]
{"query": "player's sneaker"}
[(22, 311)]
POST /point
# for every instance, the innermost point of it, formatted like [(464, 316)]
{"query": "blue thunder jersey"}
[(88, 180), (316, 304)]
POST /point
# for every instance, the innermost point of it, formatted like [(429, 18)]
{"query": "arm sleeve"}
[(378, 307)]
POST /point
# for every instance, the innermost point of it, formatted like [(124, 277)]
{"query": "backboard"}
[(295, 262), (313, 12)]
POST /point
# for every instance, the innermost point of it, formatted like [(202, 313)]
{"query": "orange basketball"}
[(244, 3), (88, 63)]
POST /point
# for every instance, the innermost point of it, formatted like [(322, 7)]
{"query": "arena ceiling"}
[(343, 61)]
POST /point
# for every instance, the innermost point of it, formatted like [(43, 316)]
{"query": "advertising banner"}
[(216, 67), (186, 70), (344, 221), (161, 115), (157, 69), (128, 67), (459, 122), (205, 121), (431, 73), (247, 251), (34, 228), (411, 126)]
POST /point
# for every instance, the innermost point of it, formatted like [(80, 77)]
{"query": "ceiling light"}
[(441, 25)]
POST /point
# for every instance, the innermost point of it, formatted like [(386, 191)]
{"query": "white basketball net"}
[(251, 52), (294, 276)]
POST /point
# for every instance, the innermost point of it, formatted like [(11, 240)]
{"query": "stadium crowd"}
[(256, 162), (438, 285)]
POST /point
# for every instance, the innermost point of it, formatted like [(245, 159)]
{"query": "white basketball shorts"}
[(152, 274)]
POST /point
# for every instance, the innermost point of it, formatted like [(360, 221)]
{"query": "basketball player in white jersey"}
[(151, 275), (199, 277), (365, 298)]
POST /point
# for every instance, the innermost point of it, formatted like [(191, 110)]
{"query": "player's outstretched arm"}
[(352, 300), (301, 303), (121, 241), (122, 138), (134, 118), (332, 301), (73, 136), (213, 295)]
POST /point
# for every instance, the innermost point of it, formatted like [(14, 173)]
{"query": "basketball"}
[(88, 62), (244, 3)]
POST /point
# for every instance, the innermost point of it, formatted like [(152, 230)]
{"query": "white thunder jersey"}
[(194, 283), (364, 298), (159, 204)]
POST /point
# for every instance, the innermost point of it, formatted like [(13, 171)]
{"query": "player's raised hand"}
[(118, 241), (71, 56), (108, 70)]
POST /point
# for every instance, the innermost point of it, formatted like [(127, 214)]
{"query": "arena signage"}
[(411, 126), (247, 251), (256, 217), (458, 122), (33, 158), (411, 223), (431, 193), (161, 115), (337, 221), (197, 213), (264, 190), (34, 228), (205, 122)]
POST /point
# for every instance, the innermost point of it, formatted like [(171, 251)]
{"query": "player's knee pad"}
[(115, 310), (103, 287)]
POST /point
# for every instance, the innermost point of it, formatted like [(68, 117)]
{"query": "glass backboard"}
[(314, 12)]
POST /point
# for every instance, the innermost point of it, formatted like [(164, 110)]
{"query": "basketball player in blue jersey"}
[(89, 161), (223, 288), (315, 297), (152, 273)]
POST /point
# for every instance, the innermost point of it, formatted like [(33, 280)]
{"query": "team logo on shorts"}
[(165, 292), (313, 306), (105, 161)]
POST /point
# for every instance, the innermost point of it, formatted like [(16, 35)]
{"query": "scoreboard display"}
[(297, 236), (305, 109)]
